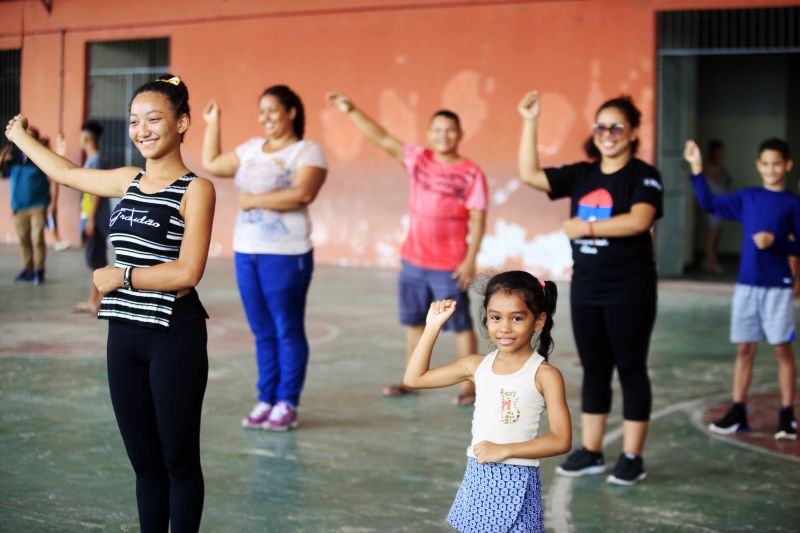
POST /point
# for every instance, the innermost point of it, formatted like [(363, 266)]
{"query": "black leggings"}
[(615, 336), (157, 380)]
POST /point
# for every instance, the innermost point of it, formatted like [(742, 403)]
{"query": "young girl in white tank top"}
[(501, 490)]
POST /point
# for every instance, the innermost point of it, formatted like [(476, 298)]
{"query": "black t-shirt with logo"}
[(610, 270)]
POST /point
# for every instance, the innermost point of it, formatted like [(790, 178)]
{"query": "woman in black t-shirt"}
[(614, 202)]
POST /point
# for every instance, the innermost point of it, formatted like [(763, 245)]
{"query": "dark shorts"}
[(418, 287), (94, 247)]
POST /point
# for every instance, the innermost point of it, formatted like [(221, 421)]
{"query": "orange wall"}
[(399, 62)]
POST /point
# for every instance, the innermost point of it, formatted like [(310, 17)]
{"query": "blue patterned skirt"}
[(498, 497)]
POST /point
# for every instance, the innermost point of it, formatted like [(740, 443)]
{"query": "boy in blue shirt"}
[(762, 300)]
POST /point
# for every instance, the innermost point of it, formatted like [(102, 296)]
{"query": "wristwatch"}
[(126, 278)]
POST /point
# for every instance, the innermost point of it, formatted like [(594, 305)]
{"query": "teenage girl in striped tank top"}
[(501, 490), (157, 358)]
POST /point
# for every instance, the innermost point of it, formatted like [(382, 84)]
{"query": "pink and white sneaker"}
[(282, 418), (258, 416)]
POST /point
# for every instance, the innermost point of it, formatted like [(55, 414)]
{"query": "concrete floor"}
[(359, 462)]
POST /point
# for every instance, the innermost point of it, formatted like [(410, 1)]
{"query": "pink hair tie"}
[(541, 283)]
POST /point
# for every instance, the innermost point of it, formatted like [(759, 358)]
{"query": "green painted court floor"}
[(359, 462)]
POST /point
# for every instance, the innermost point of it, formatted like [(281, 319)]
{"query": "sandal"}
[(397, 389)]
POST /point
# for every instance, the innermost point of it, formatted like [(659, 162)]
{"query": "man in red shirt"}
[(447, 204)]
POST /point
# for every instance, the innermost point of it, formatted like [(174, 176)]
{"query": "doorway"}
[(726, 75)]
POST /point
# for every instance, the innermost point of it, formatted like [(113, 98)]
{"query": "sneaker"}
[(60, 246), (733, 421), (24, 276), (257, 416), (282, 418), (787, 427), (38, 277), (582, 463), (628, 471)]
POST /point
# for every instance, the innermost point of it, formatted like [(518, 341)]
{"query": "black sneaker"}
[(582, 463), (628, 471), (733, 421), (38, 277), (787, 426)]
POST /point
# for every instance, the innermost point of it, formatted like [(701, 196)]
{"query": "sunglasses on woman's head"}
[(614, 130)]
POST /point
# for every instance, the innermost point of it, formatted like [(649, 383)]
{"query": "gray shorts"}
[(762, 312)]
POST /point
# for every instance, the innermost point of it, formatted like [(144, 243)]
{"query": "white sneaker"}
[(60, 246), (257, 416)]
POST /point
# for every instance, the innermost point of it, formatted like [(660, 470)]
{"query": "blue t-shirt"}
[(758, 209), (29, 186)]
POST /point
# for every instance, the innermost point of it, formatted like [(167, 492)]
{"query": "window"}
[(9, 87), (116, 69)]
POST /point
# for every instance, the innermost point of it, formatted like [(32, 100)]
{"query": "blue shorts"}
[(418, 287), (762, 312)]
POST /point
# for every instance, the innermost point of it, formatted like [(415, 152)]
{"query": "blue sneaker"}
[(24, 276), (38, 277)]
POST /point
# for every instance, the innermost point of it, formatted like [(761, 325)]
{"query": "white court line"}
[(697, 420), (560, 494)]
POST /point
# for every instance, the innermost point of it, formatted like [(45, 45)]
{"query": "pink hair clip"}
[(542, 282)]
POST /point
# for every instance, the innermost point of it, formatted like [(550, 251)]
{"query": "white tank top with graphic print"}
[(508, 407)]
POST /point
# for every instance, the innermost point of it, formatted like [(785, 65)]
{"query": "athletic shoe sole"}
[(624, 482), (785, 435), (293, 425), (588, 471), (251, 425), (730, 430)]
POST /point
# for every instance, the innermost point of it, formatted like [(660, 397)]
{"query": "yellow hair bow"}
[(175, 80)]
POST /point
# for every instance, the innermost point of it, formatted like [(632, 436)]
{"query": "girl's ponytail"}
[(545, 338)]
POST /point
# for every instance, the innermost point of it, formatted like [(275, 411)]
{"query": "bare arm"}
[(305, 189), (558, 439), (213, 160), (418, 374), (186, 271), (367, 126), (639, 220), (529, 170), (108, 183), (465, 272)]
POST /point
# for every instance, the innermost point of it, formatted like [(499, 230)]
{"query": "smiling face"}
[(511, 324), (773, 169), (274, 117), (612, 133), (153, 126), (444, 135)]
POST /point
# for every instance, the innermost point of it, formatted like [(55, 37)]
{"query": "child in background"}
[(447, 218), (762, 301), (719, 182), (514, 384), (95, 213)]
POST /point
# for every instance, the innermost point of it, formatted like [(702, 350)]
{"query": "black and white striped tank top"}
[(146, 230)]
